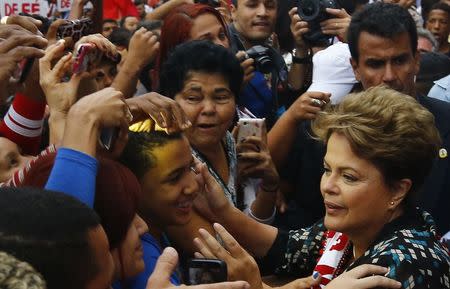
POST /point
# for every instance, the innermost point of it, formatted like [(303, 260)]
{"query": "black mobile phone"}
[(206, 271), (108, 136)]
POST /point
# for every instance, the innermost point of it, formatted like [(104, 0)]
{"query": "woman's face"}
[(208, 27), (210, 106), (131, 261), (170, 187), (357, 200), (11, 159)]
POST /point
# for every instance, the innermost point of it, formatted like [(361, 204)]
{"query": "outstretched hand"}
[(240, 264), (165, 111), (364, 277), (167, 264), (60, 95)]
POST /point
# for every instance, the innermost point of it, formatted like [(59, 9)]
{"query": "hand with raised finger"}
[(53, 31), (247, 65), (167, 264), (338, 25), (212, 191), (165, 111), (298, 29), (240, 264), (307, 105), (105, 108), (364, 277), (22, 37), (254, 161), (60, 95), (101, 42), (12, 51), (26, 22), (143, 48), (406, 3)]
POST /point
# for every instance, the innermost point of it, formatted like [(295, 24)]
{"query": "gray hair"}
[(422, 32), (15, 274)]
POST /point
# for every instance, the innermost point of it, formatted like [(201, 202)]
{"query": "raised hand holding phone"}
[(167, 263), (85, 58), (206, 271)]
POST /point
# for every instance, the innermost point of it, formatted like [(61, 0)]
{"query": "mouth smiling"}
[(333, 208)]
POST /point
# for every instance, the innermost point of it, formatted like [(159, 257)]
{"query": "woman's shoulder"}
[(413, 254)]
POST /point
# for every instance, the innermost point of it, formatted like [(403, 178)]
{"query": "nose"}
[(389, 74), (191, 186), (108, 80), (436, 25), (262, 11), (141, 225), (328, 184), (209, 107)]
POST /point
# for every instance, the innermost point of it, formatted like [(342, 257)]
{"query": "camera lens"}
[(265, 64), (308, 9)]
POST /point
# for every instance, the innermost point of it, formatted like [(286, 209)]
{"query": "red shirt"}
[(116, 9)]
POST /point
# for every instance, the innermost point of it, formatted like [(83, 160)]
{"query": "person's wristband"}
[(302, 60)]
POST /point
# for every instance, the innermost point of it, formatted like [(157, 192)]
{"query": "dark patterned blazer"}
[(409, 246)]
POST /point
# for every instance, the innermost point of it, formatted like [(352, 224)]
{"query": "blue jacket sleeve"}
[(74, 173)]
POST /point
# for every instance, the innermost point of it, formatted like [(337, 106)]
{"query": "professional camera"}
[(261, 56), (212, 3), (313, 12)]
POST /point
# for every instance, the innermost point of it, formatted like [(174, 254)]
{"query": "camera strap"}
[(278, 74)]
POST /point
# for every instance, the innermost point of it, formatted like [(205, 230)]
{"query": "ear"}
[(354, 64), (417, 62), (233, 12), (400, 191)]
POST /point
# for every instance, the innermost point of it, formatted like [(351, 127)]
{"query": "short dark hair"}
[(109, 20), (49, 230), (150, 25), (384, 20), (120, 37), (122, 21), (439, 6), (199, 56), (138, 153)]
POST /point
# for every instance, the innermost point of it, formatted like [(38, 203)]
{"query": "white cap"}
[(332, 72)]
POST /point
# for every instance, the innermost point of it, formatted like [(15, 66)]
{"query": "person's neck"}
[(248, 43), (155, 230), (444, 47), (363, 239), (210, 152)]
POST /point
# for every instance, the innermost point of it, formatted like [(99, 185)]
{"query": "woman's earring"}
[(392, 203)]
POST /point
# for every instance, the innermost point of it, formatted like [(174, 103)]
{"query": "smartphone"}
[(107, 137), (75, 29), (250, 127), (206, 271), (85, 57)]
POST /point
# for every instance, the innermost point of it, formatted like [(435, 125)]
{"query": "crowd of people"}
[(125, 150)]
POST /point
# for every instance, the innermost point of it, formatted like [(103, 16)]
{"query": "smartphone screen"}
[(206, 271)]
